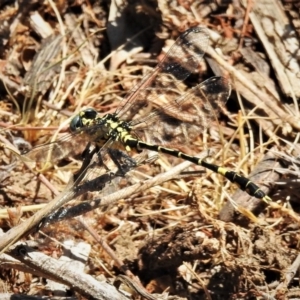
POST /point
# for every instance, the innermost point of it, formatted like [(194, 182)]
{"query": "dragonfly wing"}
[(93, 177), (182, 59), (204, 102), (186, 117), (69, 144)]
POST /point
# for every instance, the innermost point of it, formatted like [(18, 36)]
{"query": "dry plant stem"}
[(128, 193), (201, 282), (290, 274), (39, 25), (41, 177), (142, 186), (256, 96), (106, 247), (23, 229), (7, 296), (246, 21), (242, 139), (130, 280), (9, 263), (52, 269), (134, 285), (48, 184), (266, 296), (280, 42), (263, 171), (87, 52)]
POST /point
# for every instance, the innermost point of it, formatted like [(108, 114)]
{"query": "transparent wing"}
[(67, 145), (93, 177), (188, 115), (197, 106), (182, 59)]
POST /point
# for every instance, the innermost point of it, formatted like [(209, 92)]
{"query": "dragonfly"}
[(155, 110), (155, 115)]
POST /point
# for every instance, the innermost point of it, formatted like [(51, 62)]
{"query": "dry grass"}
[(184, 234)]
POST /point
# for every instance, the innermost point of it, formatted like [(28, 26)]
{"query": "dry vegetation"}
[(184, 235)]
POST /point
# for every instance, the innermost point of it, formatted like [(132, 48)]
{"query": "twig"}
[(53, 269)]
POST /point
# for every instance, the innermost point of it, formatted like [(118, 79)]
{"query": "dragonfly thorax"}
[(116, 129)]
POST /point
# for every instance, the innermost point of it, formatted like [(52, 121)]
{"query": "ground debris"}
[(181, 231)]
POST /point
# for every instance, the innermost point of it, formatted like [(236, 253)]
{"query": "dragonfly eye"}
[(76, 123), (90, 113)]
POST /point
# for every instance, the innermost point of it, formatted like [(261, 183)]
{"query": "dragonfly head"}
[(82, 119)]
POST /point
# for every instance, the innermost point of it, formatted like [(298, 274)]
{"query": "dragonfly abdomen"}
[(244, 183)]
